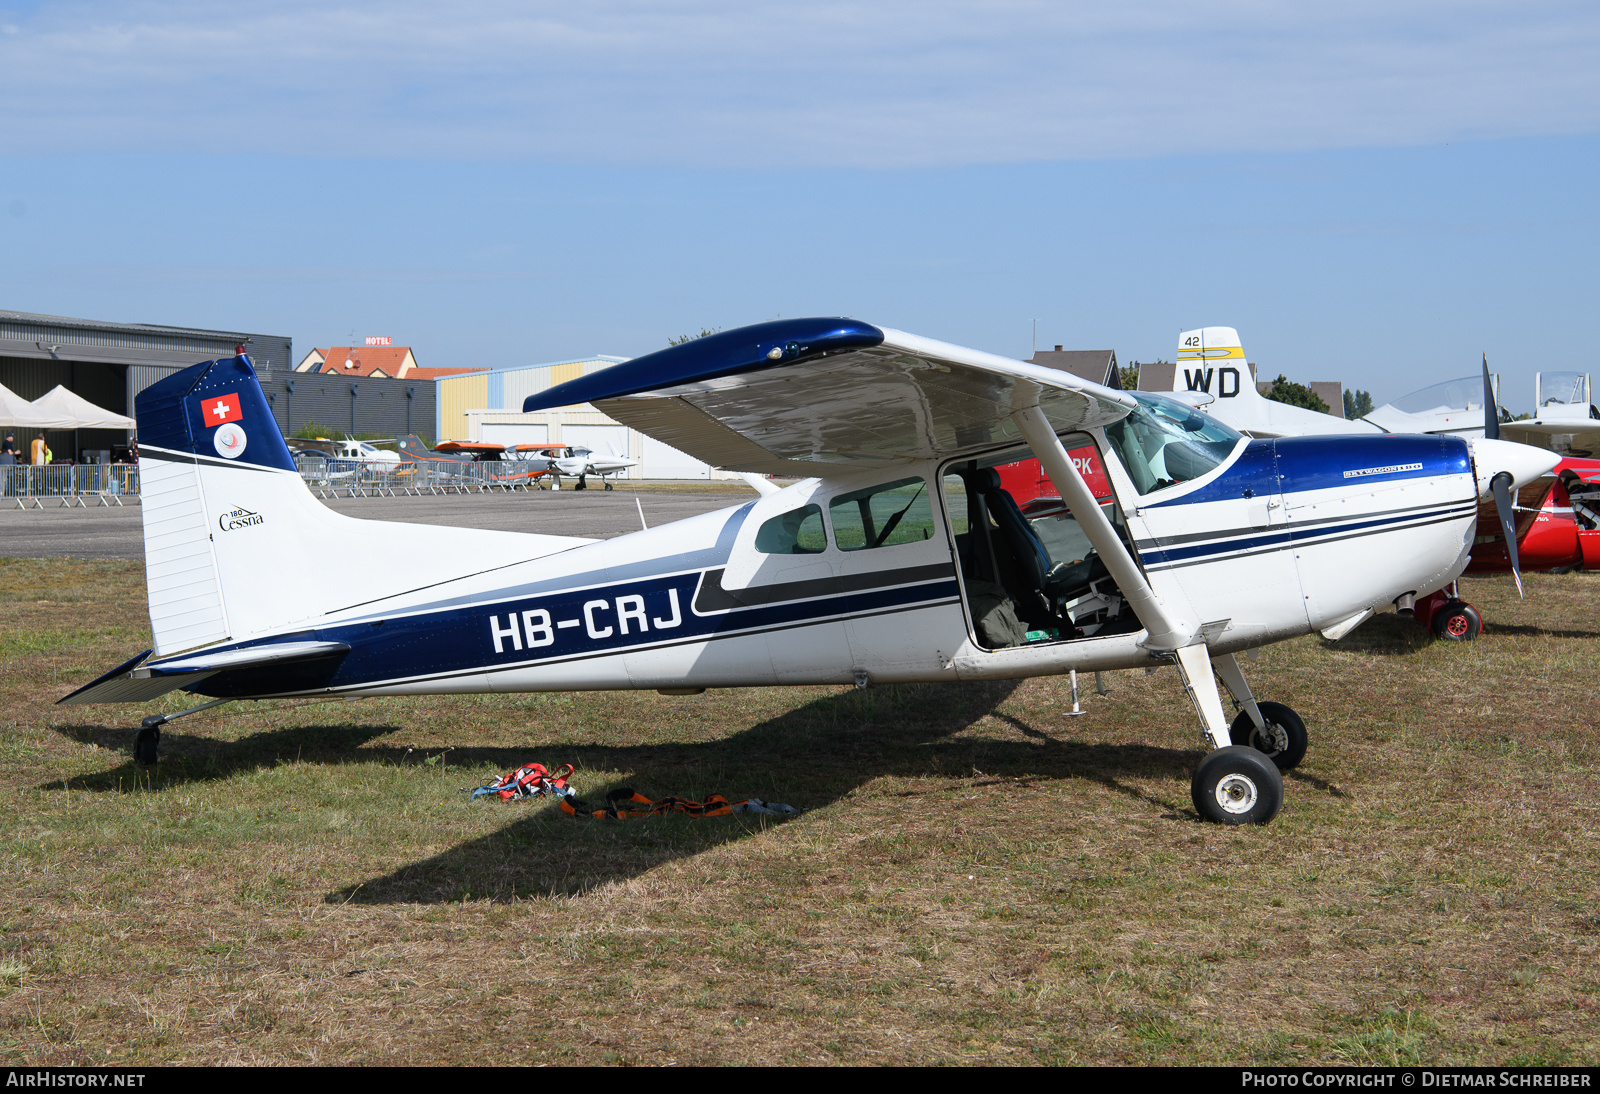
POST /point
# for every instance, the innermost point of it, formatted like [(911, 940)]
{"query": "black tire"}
[(1236, 785), (608, 486), (147, 746), (1457, 621), (1285, 740)]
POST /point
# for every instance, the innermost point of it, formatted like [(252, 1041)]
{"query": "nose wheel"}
[(1457, 621)]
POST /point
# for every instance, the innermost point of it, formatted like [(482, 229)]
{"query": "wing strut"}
[(1165, 632)]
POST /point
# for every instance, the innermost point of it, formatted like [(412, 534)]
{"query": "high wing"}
[(1568, 437), (806, 396)]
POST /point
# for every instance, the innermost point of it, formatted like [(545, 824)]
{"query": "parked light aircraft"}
[(899, 556), (413, 448), (453, 457), (1211, 373), (582, 462)]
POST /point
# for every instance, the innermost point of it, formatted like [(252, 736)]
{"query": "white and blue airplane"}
[(899, 556)]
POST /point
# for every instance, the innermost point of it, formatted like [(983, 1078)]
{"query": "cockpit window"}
[(797, 532), (882, 516), (1164, 442), (1465, 393), (1563, 388)]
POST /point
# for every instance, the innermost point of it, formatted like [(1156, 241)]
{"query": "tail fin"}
[(235, 544), (1211, 359)]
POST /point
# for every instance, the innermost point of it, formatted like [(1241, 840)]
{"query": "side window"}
[(797, 532), (882, 516)]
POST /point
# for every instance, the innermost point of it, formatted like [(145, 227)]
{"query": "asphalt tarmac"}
[(118, 532)]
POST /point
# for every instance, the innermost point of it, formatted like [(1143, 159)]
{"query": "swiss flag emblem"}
[(219, 409)]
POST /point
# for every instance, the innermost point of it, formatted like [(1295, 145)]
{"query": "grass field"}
[(976, 879)]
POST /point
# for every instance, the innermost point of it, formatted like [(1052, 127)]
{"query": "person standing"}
[(8, 456), (39, 452)]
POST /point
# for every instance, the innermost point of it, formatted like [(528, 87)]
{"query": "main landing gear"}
[(1240, 781)]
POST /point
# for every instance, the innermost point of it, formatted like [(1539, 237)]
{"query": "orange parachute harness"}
[(529, 781)]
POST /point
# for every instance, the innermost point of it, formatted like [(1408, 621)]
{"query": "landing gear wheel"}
[(608, 486), (581, 484), (1283, 741), (1457, 621), (147, 746), (1236, 785)]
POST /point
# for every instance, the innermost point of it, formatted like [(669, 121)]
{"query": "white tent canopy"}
[(61, 409), (17, 413)]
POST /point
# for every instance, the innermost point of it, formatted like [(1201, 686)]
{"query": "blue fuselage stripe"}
[(567, 625), (1305, 534)]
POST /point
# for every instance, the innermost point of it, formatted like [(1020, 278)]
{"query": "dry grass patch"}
[(977, 878)]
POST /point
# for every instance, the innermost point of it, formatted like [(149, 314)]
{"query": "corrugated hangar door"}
[(605, 440)]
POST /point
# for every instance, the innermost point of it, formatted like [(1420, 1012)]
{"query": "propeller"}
[(1491, 412), (1500, 485)]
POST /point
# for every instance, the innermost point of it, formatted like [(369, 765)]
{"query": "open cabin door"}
[(1029, 574)]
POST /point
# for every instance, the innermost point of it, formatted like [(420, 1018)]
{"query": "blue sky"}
[(1375, 194)]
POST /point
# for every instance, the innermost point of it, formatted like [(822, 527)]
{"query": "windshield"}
[(1465, 393), (1563, 388), (1163, 442)]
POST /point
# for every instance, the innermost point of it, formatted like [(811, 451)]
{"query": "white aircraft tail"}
[(1211, 360), (236, 546)]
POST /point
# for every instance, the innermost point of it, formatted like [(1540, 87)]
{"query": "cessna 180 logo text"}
[(239, 518)]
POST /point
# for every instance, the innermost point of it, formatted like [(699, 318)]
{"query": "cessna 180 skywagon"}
[(899, 557)]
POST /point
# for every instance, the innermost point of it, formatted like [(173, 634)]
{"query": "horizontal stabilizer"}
[(140, 679), (250, 657)]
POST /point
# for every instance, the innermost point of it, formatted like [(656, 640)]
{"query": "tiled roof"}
[(365, 360)]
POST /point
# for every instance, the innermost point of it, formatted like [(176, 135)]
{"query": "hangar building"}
[(109, 363)]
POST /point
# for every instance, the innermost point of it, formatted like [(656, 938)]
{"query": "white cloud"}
[(724, 83)]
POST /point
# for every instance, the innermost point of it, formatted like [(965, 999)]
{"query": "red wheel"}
[(1457, 621)]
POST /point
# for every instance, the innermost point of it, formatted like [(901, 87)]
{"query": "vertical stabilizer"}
[(212, 413), (1211, 359), (236, 547)]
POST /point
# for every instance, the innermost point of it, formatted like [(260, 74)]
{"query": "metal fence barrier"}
[(33, 487), (333, 478), (83, 485)]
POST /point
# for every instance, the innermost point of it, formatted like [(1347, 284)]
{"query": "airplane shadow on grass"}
[(811, 756)]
